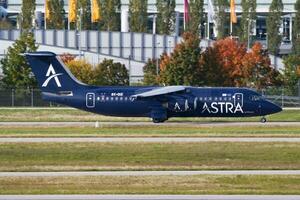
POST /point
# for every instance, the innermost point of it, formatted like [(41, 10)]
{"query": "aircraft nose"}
[(270, 108)]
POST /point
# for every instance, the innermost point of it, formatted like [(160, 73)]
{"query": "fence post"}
[(31, 97), (12, 97), (282, 97)]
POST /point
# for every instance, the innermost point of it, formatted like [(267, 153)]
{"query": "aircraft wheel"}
[(263, 120), (157, 120)]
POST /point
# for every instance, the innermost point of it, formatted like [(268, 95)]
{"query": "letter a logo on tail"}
[(51, 74)]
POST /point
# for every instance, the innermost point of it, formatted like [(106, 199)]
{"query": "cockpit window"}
[(255, 98)]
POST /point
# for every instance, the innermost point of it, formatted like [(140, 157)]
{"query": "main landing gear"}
[(158, 120), (263, 120)]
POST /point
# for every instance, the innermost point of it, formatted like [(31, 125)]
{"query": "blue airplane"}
[(159, 103)]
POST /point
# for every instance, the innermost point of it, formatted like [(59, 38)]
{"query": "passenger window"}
[(255, 98)]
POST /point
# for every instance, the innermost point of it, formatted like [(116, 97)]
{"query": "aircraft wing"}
[(159, 91)]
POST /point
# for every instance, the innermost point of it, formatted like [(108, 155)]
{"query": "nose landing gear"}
[(263, 120)]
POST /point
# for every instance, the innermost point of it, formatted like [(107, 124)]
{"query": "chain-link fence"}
[(284, 97), (23, 98), (33, 97)]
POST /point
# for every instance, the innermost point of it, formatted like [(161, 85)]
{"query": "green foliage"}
[(57, 12), (82, 70), (16, 71), (291, 74), (138, 15), (273, 26), (105, 73), (248, 19), (223, 18), (110, 15), (27, 14), (165, 16), (226, 63), (5, 24), (182, 67), (296, 30), (150, 74), (110, 73), (85, 5), (215, 75), (196, 16)]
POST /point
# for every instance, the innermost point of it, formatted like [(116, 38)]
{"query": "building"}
[(13, 7)]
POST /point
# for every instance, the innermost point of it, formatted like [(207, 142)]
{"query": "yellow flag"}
[(95, 11), (72, 10), (47, 10), (233, 17)]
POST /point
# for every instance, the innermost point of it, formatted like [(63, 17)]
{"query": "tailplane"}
[(52, 75)]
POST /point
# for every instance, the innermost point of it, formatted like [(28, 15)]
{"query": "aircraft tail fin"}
[(52, 75)]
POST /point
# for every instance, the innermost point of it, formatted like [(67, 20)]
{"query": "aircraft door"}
[(238, 99), (90, 100)]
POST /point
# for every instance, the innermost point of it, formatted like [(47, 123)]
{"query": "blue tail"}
[(52, 75)]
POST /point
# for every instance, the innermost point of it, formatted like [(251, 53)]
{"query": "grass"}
[(147, 156), (207, 184), (153, 131), (65, 114)]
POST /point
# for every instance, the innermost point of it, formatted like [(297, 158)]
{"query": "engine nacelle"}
[(182, 104)]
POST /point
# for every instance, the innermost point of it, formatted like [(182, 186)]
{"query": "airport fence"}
[(33, 98), (23, 98)]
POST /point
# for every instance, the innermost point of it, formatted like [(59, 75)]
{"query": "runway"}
[(148, 140), (149, 197), (150, 173), (124, 124)]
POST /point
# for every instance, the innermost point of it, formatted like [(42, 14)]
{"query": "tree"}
[(291, 74), (110, 73), (296, 29), (181, 68), (66, 57), (82, 70), (138, 15), (27, 14), (150, 73), (258, 72), (248, 19), (57, 12), (110, 15), (211, 67), (85, 5), (5, 24), (165, 16), (273, 26), (240, 68), (222, 18), (196, 16), (231, 54), (17, 73)]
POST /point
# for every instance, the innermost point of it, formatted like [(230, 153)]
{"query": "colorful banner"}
[(47, 9), (186, 11), (233, 17), (96, 16), (72, 10)]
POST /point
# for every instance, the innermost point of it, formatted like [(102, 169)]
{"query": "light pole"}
[(79, 31), (129, 68), (170, 48), (285, 29), (157, 59), (249, 26)]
